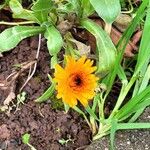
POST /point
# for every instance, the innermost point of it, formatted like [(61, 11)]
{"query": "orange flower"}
[(76, 81)]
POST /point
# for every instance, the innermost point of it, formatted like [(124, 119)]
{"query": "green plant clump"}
[(54, 19)]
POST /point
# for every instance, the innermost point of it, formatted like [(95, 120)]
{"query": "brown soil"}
[(45, 125)]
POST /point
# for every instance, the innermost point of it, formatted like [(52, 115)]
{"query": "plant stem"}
[(103, 131), (35, 65), (108, 28), (122, 95), (16, 23)]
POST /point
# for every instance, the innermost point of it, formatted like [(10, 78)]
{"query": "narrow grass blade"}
[(127, 108), (109, 80), (47, 94)]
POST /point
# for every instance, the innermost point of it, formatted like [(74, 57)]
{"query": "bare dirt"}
[(43, 122), (127, 139)]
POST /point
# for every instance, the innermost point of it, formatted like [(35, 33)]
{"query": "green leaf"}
[(67, 8), (106, 50), (87, 8), (10, 37), (26, 138), (48, 93), (129, 126), (77, 6), (112, 133), (41, 9), (108, 10), (109, 80), (124, 126), (122, 75), (66, 107), (144, 52), (3, 4), (54, 61), (142, 63), (20, 12), (78, 110), (91, 112), (142, 86), (135, 101), (54, 42)]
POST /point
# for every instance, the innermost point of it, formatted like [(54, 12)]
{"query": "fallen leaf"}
[(83, 48), (9, 98)]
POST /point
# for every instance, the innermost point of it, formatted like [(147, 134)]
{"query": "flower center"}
[(77, 80)]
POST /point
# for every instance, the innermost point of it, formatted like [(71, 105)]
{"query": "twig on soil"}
[(11, 94), (1, 55), (16, 23), (10, 82), (82, 147), (35, 65)]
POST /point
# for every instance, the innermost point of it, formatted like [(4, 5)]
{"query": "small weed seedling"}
[(64, 142), (26, 140), (21, 97)]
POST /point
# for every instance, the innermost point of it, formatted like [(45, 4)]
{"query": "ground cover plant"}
[(84, 79)]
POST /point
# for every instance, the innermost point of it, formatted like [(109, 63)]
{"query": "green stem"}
[(93, 125), (82, 113), (102, 109), (123, 93), (31, 147), (108, 27), (103, 131)]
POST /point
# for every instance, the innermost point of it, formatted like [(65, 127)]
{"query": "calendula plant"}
[(78, 78), (51, 18)]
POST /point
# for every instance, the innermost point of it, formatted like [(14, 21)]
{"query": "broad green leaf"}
[(47, 94), (26, 140), (87, 8), (54, 41), (10, 37), (76, 5), (106, 50), (54, 61), (108, 10), (66, 8), (41, 9), (20, 12)]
